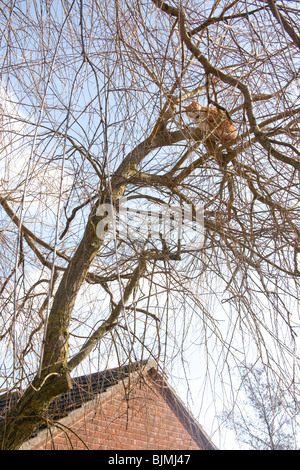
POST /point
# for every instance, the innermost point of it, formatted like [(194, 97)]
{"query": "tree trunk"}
[(27, 415)]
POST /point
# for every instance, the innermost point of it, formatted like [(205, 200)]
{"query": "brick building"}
[(126, 408)]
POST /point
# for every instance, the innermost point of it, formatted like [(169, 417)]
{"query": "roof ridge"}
[(125, 368)]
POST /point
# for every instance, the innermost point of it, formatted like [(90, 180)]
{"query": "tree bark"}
[(27, 415)]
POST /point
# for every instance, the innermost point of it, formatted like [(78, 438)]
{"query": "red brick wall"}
[(144, 421)]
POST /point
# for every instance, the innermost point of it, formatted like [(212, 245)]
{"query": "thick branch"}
[(284, 23), (222, 17), (56, 341)]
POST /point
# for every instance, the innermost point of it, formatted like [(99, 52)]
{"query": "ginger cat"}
[(212, 120)]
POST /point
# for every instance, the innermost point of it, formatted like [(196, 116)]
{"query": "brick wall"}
[(142, 420)]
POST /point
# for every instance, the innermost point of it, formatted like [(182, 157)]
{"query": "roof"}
[(84, 389), (88, 387)]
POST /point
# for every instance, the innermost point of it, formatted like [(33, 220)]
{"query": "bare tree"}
[(92, 111), (265, 419)]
